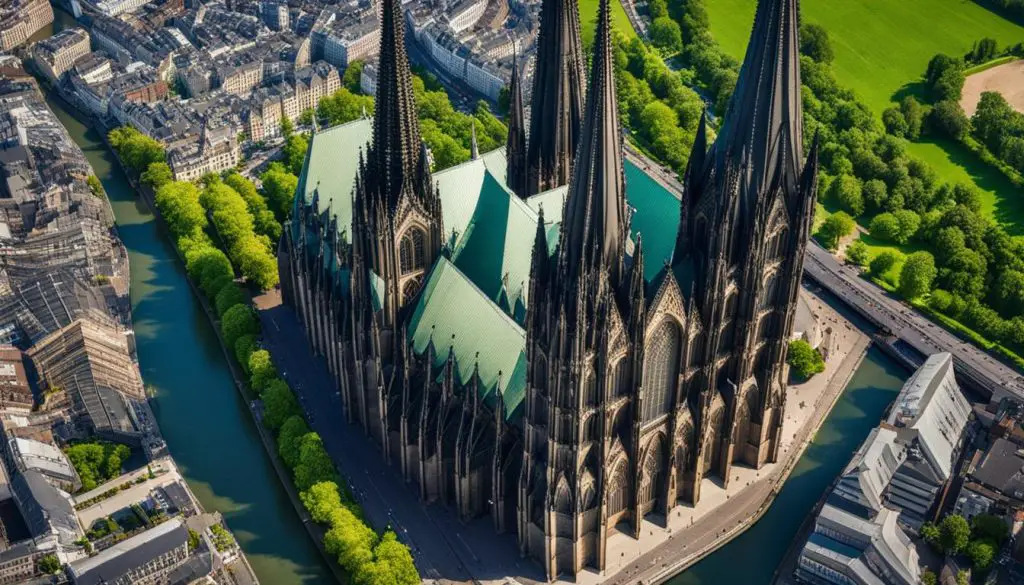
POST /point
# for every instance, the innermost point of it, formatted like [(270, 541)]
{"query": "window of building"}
[(661, 371)]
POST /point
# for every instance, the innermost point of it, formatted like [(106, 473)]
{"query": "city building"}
[(274, 14), (890, 486), (116, 7), (143, 559), (15, 391), (92, 363), (354, 37), (555, 369), (215, 151), (44, 458), (20, 19), (58, 54)]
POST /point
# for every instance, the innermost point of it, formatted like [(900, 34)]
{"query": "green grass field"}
[(880, 45), (882, 48), (588, 20)]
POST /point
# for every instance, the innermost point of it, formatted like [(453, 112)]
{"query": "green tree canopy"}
[(834, 228), (666, 35), (178, 202), (228, 297), (136, 150), (884, 261), (315, 464), (954, 534), (236, 322), (917, 275), (321, 500), (814, 43), (289, 439), (804, 359), (279, 188), (857, 252), (981, 553), (157, 175), (261, 370), (278, 404)]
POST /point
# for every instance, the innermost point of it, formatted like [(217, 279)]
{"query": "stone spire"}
[(594, 223), (763, 124), (394, 159), (557, 101), (515, 149)]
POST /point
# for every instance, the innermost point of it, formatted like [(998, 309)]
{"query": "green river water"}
[(212, 437)]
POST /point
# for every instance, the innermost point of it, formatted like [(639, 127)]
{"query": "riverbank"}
[(213, 442), (315, 531)]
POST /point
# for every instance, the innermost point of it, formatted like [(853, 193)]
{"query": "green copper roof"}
[(457, 315), (332, 166)]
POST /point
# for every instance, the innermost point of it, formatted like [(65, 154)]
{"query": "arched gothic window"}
[(412, 252), (410, 289), (618, 490), (651, 474), (661, 371), (770, 291), (590, 389), (619, 382), (588, 491), (563, 497)]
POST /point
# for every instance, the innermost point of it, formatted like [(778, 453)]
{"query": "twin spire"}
[(396, 162), (594, 231)]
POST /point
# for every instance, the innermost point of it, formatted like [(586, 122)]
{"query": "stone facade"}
[(635, 380)]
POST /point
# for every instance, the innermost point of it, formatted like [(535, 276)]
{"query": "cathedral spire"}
[(594, 222), (557, 100), (763, 124), (515, 150), (395, 153)]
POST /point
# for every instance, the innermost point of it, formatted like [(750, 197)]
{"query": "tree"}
[(295, 152), (279, 188), (278, 404), (306, 117), (857, 252), (1008, 293), (244, 347), (875, 193), (287, 128), (846, 191), (928, 577), (948, 119), (909, 222), (666, 35), (321, 500), (981, 553), (256, 262), (804, 359), (884, 261), (350, 540), (895, 122), (236, 322), (193, 540), (945, 77), (931, 534), (836, 227), (392, 564), (353, 75), (49, 564), (157, 175), (314, 463), (265, 222), (954, 534), (914, 114), (917, 275), (136, 150), (178, 202), (289, 439), (814, 43), (963, 577), (657, 8), (990, 527), (261, 370), (885, 226), (206, 264), (228, 297)]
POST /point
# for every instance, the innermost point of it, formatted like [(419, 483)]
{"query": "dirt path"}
[(1007, 79)]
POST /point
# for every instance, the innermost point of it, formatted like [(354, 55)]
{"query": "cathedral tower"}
[(556, 105), (396, 228), (746, 214), (515, 148), (576, 312)]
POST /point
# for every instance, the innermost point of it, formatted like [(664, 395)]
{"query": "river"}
[(211, 434)]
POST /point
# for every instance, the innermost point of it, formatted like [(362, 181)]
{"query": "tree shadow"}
[(916, 88)]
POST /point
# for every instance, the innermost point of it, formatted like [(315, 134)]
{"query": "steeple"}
[(594, 223), (394, 160), (763, 124), (515, 149), (557, 101)]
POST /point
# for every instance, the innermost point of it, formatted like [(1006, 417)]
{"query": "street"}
[(443, 547)]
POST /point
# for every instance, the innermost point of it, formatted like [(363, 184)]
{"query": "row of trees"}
[(656, 102), (370, 559)]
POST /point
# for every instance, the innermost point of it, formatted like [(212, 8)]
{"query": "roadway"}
[(443, 547), (973, 365)]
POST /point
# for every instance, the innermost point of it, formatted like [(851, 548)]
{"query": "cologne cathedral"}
[(545, 335)]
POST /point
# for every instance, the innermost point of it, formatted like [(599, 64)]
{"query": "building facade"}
[(58, 54), (20, 19), (566, 378)]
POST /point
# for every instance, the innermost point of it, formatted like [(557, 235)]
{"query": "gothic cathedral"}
[(565, 370)]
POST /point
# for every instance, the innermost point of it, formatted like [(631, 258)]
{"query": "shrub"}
[(804, 359), (228, 297), (236, 322)]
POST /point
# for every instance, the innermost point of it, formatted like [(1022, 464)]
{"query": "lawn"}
[(880, 45), (588, 20)]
